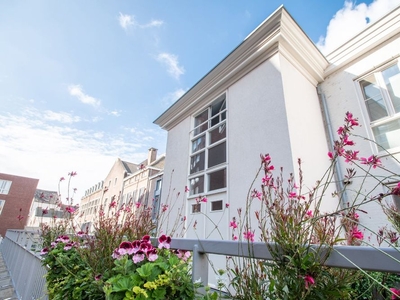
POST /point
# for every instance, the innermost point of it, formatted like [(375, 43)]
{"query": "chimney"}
[(151, 156)]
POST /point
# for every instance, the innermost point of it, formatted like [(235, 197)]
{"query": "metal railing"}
[(28, 274), (19, 250)]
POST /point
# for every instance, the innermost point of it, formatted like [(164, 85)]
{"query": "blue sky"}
[(81, 82)]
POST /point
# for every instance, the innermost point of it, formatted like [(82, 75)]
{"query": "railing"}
[(28, 274), (19, 250)]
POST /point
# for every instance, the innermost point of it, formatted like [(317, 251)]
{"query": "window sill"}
[(206, 194)]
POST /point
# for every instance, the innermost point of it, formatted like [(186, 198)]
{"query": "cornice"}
[(374, 35), (279, 33)]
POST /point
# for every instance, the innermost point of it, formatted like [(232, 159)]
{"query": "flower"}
[(395, 293), (72, 174), (184, 255), (63, 239), (45, 211), (138, 257), (62, 179), (357, 234), (125, 248), (233, 224), (80, 234), (249, 236), (152, 254), (164, 242), (98, 277), (116, 254), (44, 251), (256, 194), (309, 214), (137, 204), (373, 161), (308, 280), (204, 199), (70, 209), (227, 205), (68, 246), (186, 189), (330, 154)]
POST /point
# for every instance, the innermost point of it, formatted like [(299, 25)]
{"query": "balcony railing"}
[(20, 252)]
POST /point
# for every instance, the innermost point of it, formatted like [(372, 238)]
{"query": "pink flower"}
[(44, 251), (45, 211), (136, 246), (266, 158), (256, 194), (350, 156), (137, 204), (116, 254), (164, 242), (292, 195), (63, 239), (186, 189), (249, 236), (330, 154), (62, 179), (396, 190), (340, 130), (184, 255), (70, 209), (98, 277), (266, 179), (138, 257), (352, 121), (227, 205), (80, 233), (125, 248), (395, 293), (233, 224), (308, 280), (164, 207), (235, 237), (309, 213), (373, 161), (152, 254), (357, 234), (204, 199), (72, 174)]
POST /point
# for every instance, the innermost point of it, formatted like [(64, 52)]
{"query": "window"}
[(2, 203), (5, 186), (196, 208), (216, 205), (381, 93), (207, 167)]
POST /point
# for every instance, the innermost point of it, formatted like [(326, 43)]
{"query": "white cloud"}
[(61, 117), (126, 21), (115, 113), (171, 61), (153, 23), (77, 91), (352, 19), (172, 97), (34, 147)]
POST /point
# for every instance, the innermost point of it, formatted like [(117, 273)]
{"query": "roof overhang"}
[(279, 33)]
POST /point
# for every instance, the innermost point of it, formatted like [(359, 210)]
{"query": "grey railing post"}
[(200, 267)]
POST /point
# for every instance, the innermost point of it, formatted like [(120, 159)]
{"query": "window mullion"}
[(385, 93)]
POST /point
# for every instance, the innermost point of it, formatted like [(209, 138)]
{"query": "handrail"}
[(384, 259)]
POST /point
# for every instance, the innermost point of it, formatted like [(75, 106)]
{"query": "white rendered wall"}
[(343, 94), (306, 130)]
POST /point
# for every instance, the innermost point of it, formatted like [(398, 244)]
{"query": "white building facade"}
[(276, 93)]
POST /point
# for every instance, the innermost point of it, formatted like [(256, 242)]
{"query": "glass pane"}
[(392, 81), (217, 180), (198, 143), (373, 98), (388, 134), (217, 134), (216, 205), (197, 162), (196, 208), (216, 110), (196, 185), (200, 122), (217, 155)]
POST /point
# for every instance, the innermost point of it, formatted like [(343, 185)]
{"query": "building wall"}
[(342, 93), (17, 202)]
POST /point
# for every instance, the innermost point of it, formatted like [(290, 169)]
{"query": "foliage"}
[(144, 272)]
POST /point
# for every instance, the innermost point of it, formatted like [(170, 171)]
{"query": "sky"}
[(81, 82)]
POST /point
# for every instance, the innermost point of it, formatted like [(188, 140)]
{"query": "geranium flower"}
[(138, 257), (164, 242), (152, 254), (145, 247), (80, 233), (184, 255), (146, 239), (125, 248), (68, 246), (44, 251), (116, 254), (135, 246), (63, 239)]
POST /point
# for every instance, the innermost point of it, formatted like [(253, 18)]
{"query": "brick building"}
[(16, 194)]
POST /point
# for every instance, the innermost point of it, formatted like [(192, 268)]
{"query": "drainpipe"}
[(328, 128)]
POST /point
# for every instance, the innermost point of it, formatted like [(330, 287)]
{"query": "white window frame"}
[(206, 171), (2, 203), (392, 114), (5, 186)]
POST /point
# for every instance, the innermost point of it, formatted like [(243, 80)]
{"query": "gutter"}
[(340, 186)]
